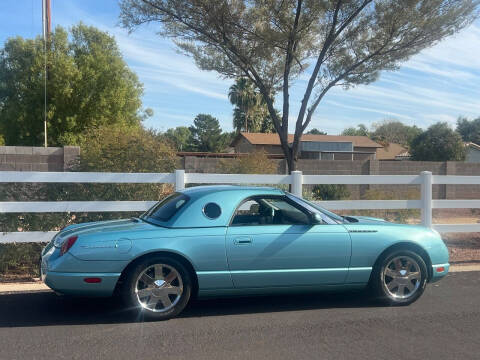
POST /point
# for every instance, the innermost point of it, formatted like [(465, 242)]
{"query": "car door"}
[(272, 242)]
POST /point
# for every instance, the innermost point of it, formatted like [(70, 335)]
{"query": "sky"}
[(439, 84)]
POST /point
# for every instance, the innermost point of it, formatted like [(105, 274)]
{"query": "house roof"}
[(274, 139), (472, 145), (390, 151)]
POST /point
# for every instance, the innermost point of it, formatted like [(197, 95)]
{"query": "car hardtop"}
[(200, 191), (227, 197)]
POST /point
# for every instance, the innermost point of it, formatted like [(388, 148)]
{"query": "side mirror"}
[(317, 219)]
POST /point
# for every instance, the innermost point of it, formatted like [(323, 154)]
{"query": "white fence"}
[(425, 180)]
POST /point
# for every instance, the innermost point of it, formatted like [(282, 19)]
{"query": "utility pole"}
[(47, 29)]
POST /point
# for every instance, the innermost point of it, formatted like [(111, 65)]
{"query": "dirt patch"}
[(463, 247)]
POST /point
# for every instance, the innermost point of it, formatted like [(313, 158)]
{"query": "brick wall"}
[(28, 158)]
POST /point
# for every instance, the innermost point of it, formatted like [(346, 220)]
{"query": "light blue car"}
[(212, 241)]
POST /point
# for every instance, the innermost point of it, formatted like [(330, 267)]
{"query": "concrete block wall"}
[(369, 167), (28, 158)]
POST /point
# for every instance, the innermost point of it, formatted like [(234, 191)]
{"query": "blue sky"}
[(439, 84)]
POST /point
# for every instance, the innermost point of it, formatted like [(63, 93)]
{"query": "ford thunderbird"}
[(211, 241)]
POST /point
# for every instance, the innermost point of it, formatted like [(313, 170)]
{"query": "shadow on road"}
[(46, 308)]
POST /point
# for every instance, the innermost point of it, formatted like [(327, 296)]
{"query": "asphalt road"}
[(443, 324)]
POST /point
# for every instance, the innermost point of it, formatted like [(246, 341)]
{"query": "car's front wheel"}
[(159, 287), (399, 277)]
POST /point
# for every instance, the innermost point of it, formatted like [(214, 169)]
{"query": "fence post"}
[(426, 198), (179, 180), (297, 182)]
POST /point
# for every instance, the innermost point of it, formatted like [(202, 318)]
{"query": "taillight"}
[(67, 244)]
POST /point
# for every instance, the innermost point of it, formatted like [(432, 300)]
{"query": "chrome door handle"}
[(242, 240)]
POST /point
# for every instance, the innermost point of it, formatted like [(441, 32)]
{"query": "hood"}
[(365, 220)]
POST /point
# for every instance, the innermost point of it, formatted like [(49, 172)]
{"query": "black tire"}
[(380, 282), (129, 288)]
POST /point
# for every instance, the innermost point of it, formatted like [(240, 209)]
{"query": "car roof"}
[(199, 191), (227, 197)]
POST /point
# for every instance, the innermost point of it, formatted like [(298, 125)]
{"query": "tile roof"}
[(273, 139), (390, 151)]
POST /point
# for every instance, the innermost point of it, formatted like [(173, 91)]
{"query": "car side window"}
[(268, 211)]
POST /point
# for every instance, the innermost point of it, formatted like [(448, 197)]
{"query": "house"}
[(473, 152), (321, 147)]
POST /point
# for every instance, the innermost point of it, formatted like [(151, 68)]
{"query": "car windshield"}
[(166, 208), (310, 204)]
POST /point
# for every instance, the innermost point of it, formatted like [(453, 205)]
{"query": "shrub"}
[(256, 162), (402, 215), (330, 192), (20, 259)]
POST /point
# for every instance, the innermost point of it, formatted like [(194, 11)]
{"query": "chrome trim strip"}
[(222, 272)]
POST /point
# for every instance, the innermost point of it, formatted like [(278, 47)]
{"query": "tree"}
[(469, 129), (392, 131), (207, 134), (271, 42), (180, 137), (242, 94), (438, 143), (361, 130), (89, 84), (250, 113), (315, 131)]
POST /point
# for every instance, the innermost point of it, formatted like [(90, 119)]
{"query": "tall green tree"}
[(180, 137), (207, 135), (272, 42), (243, 96), (250, 113), (393, 131), (438, 143), (469, 129), (88, 84)]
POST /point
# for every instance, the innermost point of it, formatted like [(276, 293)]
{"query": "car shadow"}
[(47, 308)]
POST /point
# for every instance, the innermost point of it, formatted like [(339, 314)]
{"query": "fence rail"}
[(179, 178)]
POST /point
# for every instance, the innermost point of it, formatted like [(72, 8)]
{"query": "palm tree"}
[(246, 100)]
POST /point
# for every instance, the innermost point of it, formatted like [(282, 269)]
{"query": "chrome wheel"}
[(402, 277), (159, 288)]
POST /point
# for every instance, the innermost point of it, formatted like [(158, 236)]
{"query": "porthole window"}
[(212, 211)]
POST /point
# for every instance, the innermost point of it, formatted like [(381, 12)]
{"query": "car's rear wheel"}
[(399, 277), (158, 287)]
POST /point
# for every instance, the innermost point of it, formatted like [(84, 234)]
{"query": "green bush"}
[(330, 192)]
